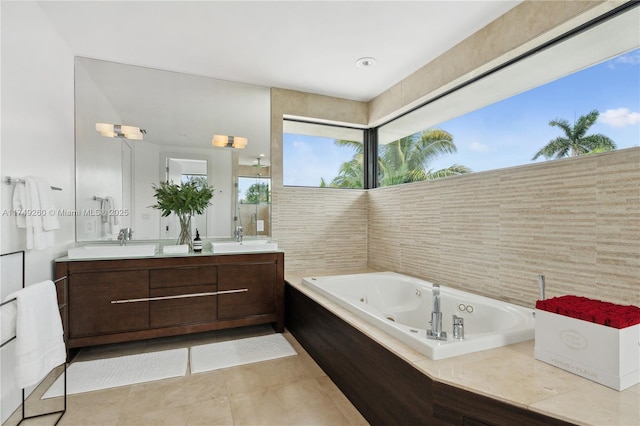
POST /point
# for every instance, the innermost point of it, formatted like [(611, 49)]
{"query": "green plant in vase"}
[(184, 200)]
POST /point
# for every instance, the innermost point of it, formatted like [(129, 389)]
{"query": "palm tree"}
[(402, 161), (351, 174), (406, 160), (575, 142)]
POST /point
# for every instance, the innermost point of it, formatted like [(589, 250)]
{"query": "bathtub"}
[(401, 306)]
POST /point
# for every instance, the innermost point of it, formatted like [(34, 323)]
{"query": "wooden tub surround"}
[(120, 300), (382, 386)]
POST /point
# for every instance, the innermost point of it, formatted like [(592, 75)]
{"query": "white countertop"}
[(509, 373), (160, 255)]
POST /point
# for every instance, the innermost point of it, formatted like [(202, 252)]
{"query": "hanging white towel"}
[(105, 205), (110, 220), (45, 197), (39, 337), (8, 322), (34, 200), (114, 219), (20, 204)]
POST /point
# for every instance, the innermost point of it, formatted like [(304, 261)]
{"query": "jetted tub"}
[(401, 306)]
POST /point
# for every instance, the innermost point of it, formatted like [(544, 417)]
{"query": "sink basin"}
[(112, 251), (248, 246)]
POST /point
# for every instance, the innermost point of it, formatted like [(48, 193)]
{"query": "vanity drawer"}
[(183, 305), (96, 302), (251, 287), (185, 276)]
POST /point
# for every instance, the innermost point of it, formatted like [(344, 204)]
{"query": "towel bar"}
[(60, 306), (10, 180)]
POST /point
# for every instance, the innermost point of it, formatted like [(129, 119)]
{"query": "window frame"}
[(627, 7), (365, 141), (371, 134)]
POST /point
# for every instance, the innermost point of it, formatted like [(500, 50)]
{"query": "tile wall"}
[(576, 221), (318, 228)]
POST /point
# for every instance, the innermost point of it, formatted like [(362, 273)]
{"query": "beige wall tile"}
[(576, 221), (321, 228)]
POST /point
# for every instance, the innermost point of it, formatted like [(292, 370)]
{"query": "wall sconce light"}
[(225, 141), (120, 131)]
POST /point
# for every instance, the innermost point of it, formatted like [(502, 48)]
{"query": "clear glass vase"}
[(185, 230)]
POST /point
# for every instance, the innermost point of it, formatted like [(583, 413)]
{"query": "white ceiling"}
[(310, 46)]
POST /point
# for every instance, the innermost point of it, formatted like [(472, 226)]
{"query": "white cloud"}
[(619, 117), (478, 147), (631, 58)]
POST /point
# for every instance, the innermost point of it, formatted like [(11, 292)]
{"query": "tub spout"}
[(541, 286), (436, 317)]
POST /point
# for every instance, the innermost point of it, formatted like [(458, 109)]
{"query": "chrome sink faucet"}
[(125, 234), (436, 317), (238, 234)]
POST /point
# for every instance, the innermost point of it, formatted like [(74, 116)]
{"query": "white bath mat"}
[(86, 376), (237, 352)]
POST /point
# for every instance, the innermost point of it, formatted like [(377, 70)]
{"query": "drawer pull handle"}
[(180, 296)]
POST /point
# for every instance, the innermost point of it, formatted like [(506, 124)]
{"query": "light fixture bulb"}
[(130, 130), (104, 128), (119, 131), (224, 141), (220, 140), (240, 142)]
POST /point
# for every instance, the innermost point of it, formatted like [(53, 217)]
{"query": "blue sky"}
[(509, 132), (308, 158)]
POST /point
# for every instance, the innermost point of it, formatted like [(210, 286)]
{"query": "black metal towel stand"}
[(63, 306)]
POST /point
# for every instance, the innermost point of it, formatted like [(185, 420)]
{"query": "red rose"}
[(596, 311)]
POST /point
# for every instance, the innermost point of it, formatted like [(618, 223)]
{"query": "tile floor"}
[(286, 391)]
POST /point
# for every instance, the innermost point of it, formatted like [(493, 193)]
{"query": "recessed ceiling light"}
[(365, 62)]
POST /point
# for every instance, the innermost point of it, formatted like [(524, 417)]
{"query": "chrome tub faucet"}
[(436, 317)]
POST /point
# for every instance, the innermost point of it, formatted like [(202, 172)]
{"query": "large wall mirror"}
[(179, 114)]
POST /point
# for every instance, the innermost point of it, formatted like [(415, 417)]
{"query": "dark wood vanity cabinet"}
[(101, 315), (120, 300), (183, 295), (242, 292)]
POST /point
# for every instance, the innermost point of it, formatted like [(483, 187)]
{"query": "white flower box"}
[(606, 355)]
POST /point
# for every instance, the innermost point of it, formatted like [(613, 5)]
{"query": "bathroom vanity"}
[(119, 300)]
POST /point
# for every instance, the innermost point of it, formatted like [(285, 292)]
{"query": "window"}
[(507, 118), (321, 155), (253, 209), (254, 190)]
